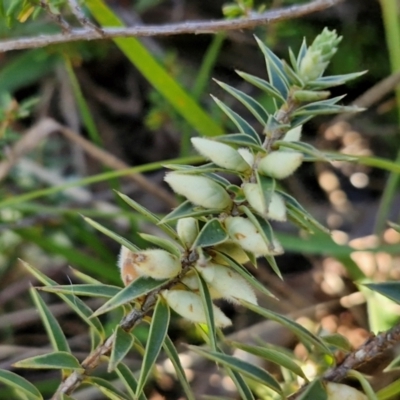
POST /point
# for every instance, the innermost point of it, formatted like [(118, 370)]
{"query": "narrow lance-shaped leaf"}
[(241, 384), (135, 289), (209, 311), (158, 331), (148, 214), (390, 290), (240, 122), (262, 84), (315, 390), (83, 289), (211, 234), (106, 387), (18, 382), (74, 302), (56, 360), (129, 381), (303, 334), (173, 356), (272, 355), (119, 239), (123, 342), (249, 370), (187, 209), (163, 243), (252, 105), (54, 332)]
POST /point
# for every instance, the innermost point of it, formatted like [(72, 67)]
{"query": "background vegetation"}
[(77, 120)]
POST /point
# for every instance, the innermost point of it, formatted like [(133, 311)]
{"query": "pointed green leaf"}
[(390, 391), (303, 334), (123, 342), (273, 264), (277, 76), (119, 239), (163, 243), (394, 226), (240, 122), (390, 290), (263, 85), (74, 302), (56, 360), (337, 340), (18, 382), (211, 234), (239, 139), (126, 376), (249, 370), (187, 209), (241, 385), (158, 331), (272, 355), (84, 277), (334, 80), (252, 105), (173, 356), (292, 203), (135, 289), (148, 214), (302, 53), (315, 391), (105, 387), (54, 332), (291, 75), (303, 148), (209, 311), (84, 289)]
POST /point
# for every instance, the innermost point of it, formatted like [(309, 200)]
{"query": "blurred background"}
[(60, 104)]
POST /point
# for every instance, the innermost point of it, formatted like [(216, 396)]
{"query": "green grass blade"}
[(158, 331), (84, 289), (156, 74)]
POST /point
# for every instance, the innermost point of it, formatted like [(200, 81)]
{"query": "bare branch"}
[(81, 17), (192, 27)]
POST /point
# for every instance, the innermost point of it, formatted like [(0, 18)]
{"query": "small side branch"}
[(193, 27)]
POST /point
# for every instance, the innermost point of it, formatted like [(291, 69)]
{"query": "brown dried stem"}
[(192, 27)]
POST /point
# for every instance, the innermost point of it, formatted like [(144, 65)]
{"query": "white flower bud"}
[(339, 391), (243, 232), (293, 135), (247, 155), (276, 208), (187, 229), (199, 190), (227, 283), (156, 263), (220, 153), (233, 250), (190, 306), (280, 164)]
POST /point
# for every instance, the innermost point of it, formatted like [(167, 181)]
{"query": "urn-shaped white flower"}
[(221, 154), (187, 229), (155, 263), (275, 209), (339, 391), (199, 190), (243, 232), (190, 306), (226, 283), (280, 164)]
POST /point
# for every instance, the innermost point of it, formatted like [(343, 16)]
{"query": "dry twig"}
[(192, 27)]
